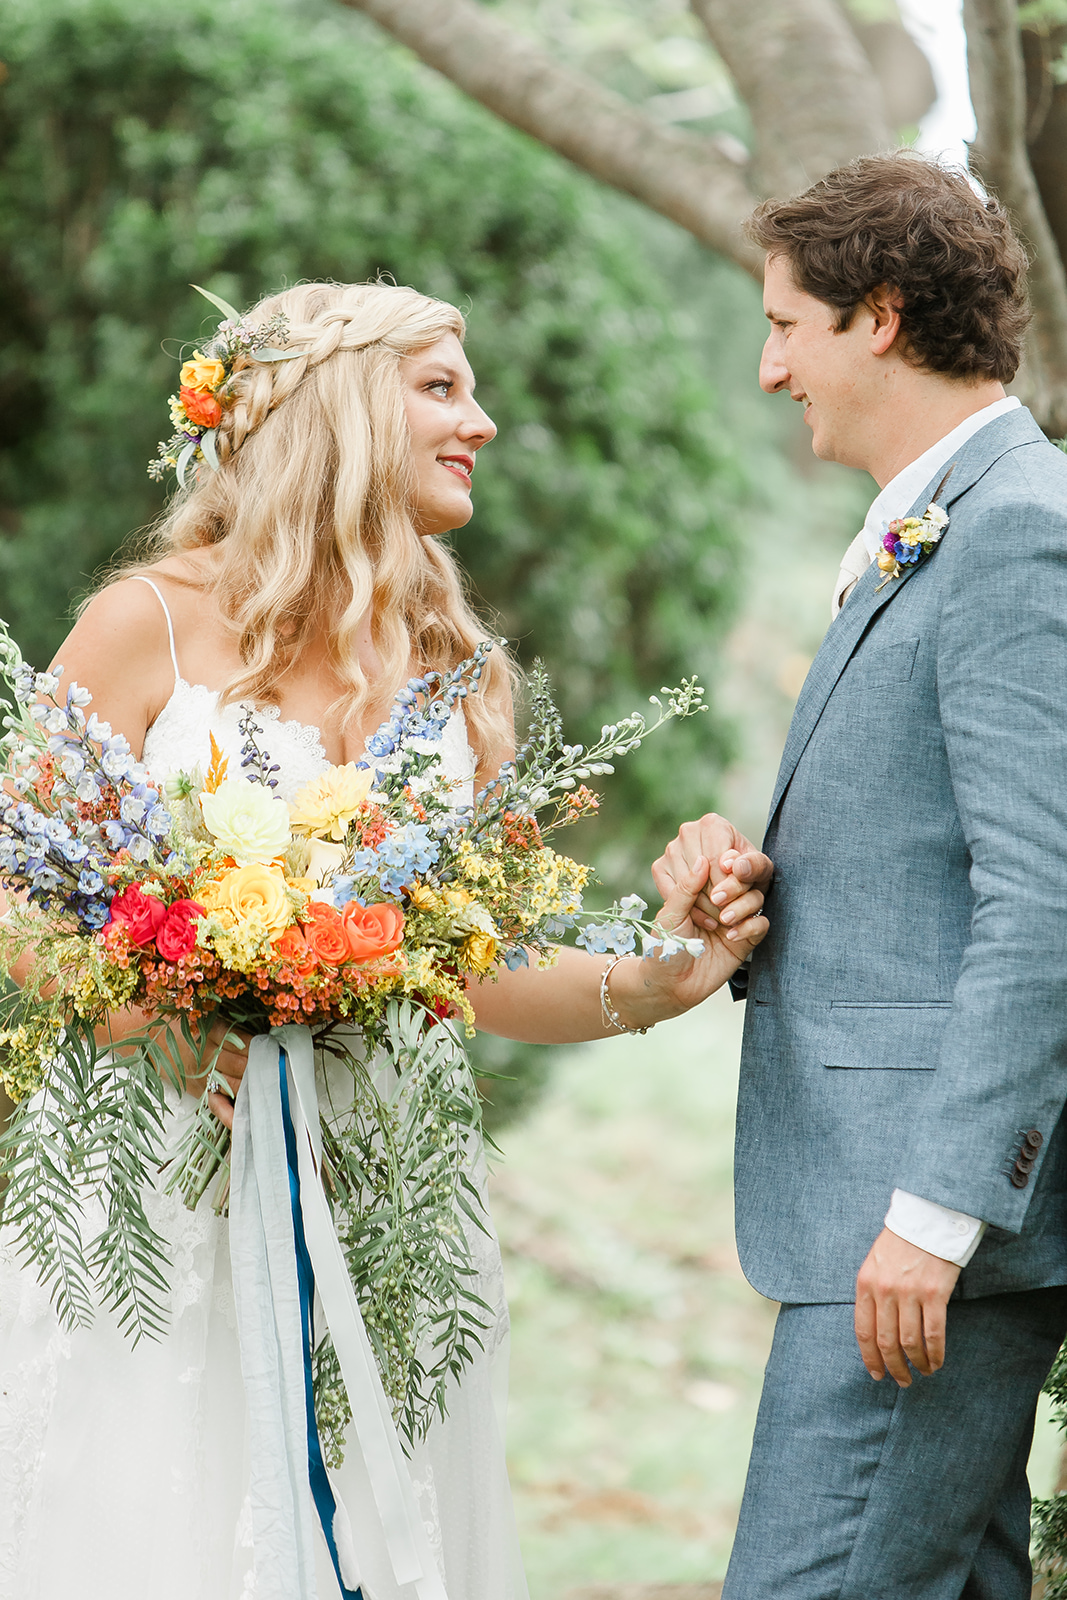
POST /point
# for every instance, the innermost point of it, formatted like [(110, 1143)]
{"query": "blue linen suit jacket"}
[(907, 1014)]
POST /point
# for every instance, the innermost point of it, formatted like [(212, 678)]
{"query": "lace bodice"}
[(179, 740), (180, 737)]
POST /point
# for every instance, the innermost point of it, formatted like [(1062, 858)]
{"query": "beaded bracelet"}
[(607, 1010)]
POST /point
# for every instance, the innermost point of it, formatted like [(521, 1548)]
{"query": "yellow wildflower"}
[(478, 952)]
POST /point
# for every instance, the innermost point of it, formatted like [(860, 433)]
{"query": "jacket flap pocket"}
[(885, 1036), (885, 664)]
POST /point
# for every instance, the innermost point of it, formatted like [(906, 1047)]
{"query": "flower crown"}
[(196, 410)]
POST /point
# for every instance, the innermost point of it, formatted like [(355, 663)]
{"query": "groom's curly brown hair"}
[(920, 228)]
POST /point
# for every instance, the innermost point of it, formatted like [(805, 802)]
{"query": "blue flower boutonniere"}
[(909, 540)]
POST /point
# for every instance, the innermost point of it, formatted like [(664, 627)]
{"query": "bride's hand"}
[(227, 1052), (650, 989)]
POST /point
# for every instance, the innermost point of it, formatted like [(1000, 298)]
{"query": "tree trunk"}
[(810, 89), (682, 175), (815, 103), (998, 87)]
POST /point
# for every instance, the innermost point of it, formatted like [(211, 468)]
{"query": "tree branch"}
[(998, 88), (681, 175), (812, 93)]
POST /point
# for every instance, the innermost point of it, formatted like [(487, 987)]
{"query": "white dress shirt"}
[(952, 1235)]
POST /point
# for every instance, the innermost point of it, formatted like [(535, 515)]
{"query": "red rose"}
[(372, 931), (141, 914), (203, 409), (177, 932), (325, 934)]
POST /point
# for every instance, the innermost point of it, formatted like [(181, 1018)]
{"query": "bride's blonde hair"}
[(310, 512)]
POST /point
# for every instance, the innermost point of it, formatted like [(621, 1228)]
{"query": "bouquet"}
[(360, 911)]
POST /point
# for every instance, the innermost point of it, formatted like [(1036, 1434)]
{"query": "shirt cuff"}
[(952, 1235)]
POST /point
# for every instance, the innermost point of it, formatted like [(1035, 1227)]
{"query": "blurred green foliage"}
[(243, 144)]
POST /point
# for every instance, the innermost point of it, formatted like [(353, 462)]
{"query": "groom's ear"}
[(885, 304)]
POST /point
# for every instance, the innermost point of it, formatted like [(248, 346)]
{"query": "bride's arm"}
[(562, 1004)]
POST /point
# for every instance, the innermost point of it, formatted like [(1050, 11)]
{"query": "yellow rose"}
[(254, 890), (886, 561), (327, 804), (423, 899), (203, 373), (478, 952)]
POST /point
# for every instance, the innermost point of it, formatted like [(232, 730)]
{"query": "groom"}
[(901, 1160)]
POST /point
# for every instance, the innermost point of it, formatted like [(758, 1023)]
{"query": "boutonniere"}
[(909, 540)]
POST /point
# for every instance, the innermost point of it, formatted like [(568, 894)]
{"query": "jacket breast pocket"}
[(885, 665), (885, 1037)]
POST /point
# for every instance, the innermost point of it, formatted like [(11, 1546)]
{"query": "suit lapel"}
[(974, 459)]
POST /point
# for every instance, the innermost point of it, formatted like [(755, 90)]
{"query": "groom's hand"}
[(901, 1296)]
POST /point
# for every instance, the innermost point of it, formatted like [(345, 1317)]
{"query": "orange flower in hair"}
[(201, 409)]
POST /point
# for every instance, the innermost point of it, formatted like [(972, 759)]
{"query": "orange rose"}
[(201, 409), (372, 931), (292, 947), (325, 935)]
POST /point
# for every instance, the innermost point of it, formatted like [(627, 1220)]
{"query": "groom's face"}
[(827, 372)]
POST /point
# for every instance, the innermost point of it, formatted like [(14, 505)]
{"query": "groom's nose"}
[(773, 372)]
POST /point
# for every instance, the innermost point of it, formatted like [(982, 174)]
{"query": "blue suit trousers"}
[(864, 1491)]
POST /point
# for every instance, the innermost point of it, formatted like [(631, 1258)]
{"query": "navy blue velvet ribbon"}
[(321, 1492)]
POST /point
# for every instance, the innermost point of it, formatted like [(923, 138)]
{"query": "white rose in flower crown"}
[(246, 820)]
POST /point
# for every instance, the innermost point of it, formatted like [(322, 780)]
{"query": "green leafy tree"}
[(242, 145)]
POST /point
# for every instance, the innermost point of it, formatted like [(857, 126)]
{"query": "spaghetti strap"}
[(139, 577)]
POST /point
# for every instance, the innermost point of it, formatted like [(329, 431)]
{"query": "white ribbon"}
[(266, 1292)]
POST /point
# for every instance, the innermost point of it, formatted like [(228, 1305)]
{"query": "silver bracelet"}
[(607, 1010)]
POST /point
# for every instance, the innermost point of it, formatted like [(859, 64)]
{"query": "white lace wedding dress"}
[(123, 1471)]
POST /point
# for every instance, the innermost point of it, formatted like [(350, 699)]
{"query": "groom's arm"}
[(1002, 690)]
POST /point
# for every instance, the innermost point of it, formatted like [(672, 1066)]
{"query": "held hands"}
[(901, 1296), (735, 865), (651, 989)]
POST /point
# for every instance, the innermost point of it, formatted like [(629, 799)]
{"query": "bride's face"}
[(448, 427)]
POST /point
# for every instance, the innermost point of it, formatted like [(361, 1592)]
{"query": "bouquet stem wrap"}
[(266, 1217)]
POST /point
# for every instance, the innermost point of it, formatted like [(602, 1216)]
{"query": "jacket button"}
[(1020, 1179), (1025, 1159), (1035, 1138)]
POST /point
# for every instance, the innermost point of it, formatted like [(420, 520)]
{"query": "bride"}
[(303, 577)]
